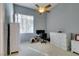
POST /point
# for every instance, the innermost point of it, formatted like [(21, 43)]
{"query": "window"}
[(26, 23)]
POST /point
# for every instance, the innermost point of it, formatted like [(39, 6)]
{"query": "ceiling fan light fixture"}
[(43, 9)]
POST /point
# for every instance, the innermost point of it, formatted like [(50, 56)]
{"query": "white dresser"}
[(59, 39), (75, 46)]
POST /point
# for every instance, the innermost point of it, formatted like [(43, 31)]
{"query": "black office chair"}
[(44, 36)]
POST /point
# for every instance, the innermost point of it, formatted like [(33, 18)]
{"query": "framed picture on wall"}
[(77, 37)]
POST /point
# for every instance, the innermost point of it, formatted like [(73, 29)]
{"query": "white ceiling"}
[(32, 5)]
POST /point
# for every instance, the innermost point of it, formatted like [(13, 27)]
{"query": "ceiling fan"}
[(43, 9)]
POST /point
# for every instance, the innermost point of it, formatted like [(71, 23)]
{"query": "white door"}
[(14, 37)]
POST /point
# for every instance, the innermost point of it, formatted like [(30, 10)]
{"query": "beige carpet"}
[(38, 49)]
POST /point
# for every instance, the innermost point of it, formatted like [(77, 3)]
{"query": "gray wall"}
[(64, 17), (39, 20)]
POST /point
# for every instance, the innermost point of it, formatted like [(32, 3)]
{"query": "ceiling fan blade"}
[(48, 6), (36, 5)]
